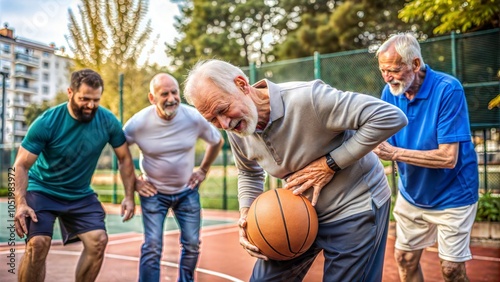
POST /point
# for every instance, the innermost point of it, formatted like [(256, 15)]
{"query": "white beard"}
[(251, 122), (402, 88)]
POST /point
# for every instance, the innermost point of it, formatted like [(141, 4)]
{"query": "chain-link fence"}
[(474, 58)]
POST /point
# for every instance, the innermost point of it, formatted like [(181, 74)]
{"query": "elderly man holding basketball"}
[(320, 140)]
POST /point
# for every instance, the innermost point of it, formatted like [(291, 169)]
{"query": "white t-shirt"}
[(168, 147)]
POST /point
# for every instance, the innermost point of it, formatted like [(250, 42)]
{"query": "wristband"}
[(331, 163)]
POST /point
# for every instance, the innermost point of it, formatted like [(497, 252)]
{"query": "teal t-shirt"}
[(68, 150)]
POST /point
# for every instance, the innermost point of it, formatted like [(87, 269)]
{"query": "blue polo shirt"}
[(68, 150), (437, 115)]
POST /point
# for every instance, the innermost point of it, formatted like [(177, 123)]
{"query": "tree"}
[(108, 32), (135, 90), (447, 16), (240, 31), (34, 110), (199, 38), (108, 38), (347, 25)]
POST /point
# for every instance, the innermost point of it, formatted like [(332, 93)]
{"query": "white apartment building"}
[(36, 73)]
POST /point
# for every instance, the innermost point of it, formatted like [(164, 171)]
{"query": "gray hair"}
[(221, 73), (406, 45)]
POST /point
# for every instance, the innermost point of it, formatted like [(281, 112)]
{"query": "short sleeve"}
[(116, 135), (37, 136), (129, 130), (208, 132), (453, 123)]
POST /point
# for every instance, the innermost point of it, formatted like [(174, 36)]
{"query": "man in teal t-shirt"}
[(53, 171)]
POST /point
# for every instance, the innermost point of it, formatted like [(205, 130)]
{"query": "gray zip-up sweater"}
[(307, 121)]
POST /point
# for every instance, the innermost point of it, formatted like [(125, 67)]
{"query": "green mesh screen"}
[(474, 58)]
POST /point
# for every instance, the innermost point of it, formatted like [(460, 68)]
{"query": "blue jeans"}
[(187, 211)]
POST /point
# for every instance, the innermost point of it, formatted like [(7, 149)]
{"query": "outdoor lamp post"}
[(5, 75)]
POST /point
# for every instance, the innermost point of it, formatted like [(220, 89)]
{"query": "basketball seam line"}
[(309, 224), (262, 235), (284, 222)]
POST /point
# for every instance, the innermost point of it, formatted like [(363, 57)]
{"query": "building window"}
[(21, 68), (24, 50), (5, 48), (45, 65), (5, 65), (46, 54), (45, 90), (46, 77)]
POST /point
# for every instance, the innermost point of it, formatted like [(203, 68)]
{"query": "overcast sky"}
[(46, 21)]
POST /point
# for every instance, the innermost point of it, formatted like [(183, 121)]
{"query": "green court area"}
[(114, 225)]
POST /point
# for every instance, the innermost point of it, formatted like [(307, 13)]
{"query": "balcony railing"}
[(17, 117), (26, 89), (26, 74), (21, 131), (5, 53), (27, 59), (19, 103)]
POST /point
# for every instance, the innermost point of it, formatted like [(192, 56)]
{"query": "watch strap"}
[(331, 163)]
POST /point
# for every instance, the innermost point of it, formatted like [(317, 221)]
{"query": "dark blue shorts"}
[(75, 217)]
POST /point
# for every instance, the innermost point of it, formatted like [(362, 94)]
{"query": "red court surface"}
[(222, 258)]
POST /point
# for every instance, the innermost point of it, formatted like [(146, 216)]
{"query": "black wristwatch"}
[(331, 163)]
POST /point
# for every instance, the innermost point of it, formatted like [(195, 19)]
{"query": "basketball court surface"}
[(221, 259)]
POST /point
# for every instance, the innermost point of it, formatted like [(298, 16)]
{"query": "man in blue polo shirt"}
[(437, 164)]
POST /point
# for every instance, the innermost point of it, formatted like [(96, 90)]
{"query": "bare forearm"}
[(127, 174), (430, 158), (21, 185), (23, 163)]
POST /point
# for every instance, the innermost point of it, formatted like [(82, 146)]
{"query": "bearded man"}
[(166, 133), (53, 171), (437, 164), (319, 141)]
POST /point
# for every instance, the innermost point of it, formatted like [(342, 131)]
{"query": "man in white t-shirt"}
[(166, 133)]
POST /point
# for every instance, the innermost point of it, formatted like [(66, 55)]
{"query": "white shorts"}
[(418, 228)]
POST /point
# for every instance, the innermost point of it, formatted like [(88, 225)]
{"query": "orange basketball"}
[(282, 225)]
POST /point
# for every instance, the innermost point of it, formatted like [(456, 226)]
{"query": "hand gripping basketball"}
[(251, 249), (280, 224)]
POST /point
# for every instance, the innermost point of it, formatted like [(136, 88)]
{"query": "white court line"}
[(130, 258), (221, 231), (175, 265), (210, 231), (176, 231), (484, 258)]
